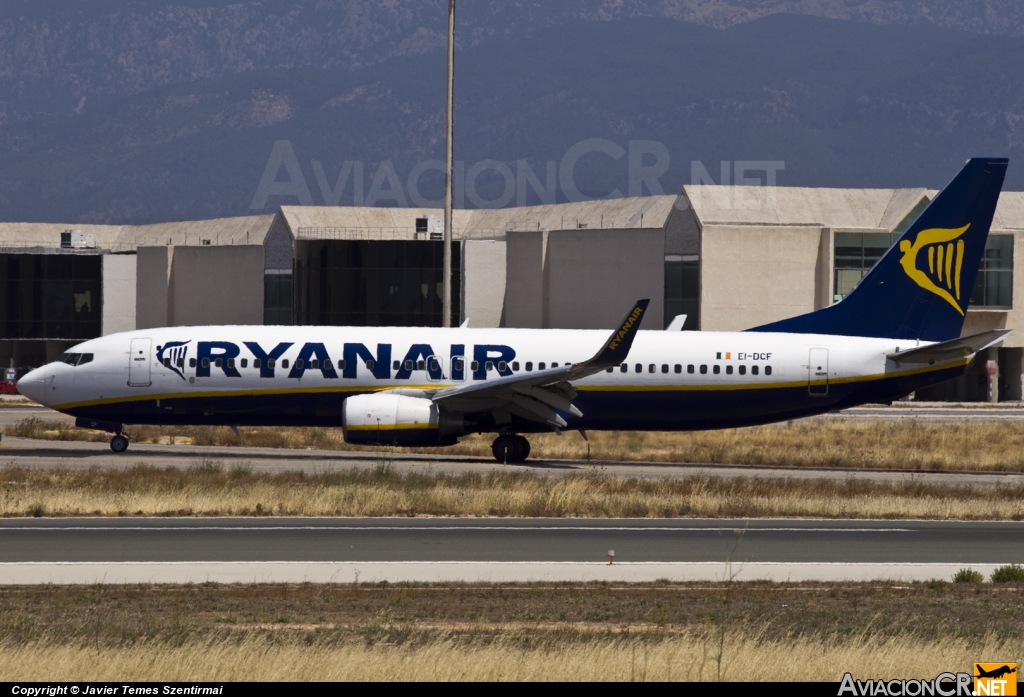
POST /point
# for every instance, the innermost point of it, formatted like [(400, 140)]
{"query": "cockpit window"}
[(75, 358)]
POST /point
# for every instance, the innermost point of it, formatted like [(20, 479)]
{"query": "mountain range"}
[(141, 112)]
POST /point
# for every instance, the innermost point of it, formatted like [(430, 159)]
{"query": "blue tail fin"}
[(921, 287)]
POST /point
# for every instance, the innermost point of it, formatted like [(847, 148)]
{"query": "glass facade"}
[(857, 252), (373, 283), (682, 291), (50, 296), (277, 299), (994, 285)]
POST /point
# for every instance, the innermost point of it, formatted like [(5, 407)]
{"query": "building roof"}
[(48, 234), (218, 231), (861, 209), (350, 222)]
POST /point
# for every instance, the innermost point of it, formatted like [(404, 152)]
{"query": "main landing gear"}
[(510, 448), (119, 443)]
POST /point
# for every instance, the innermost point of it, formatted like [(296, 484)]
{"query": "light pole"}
[(446, 269)]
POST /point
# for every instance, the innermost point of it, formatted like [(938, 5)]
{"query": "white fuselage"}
[(671, 380)]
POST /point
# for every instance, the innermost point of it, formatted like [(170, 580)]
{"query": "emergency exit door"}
[(138, 363), (817, 372)]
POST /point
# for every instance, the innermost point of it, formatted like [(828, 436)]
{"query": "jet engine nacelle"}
[(392, 419)]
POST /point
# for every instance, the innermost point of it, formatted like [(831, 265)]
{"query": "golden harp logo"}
[(943, 253)]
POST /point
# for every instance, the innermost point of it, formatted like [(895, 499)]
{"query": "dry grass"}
[(822, 442), (745, 658), (210, 488), (661, 631)]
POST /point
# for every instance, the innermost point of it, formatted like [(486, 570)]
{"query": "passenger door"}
[(817, 372), (138, 363)]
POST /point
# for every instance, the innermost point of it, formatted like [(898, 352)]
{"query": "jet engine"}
[(391, 419)]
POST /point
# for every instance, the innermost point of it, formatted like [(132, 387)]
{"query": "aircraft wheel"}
[(119, 444), (505, 448), (524, 449)]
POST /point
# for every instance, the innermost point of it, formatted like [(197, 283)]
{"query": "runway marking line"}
[(308, 528)]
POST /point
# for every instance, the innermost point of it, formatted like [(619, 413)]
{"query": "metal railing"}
[(391, 234)]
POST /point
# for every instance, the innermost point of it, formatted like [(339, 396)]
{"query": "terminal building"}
[(727, 257)]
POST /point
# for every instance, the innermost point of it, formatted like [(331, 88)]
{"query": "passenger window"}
[(219, 362), (717, 369), (540, 366), (86, 358), (256, 362), (703, 370), (341, 364), (206, 362), (245, 362), (689, 369), (167, 362), (767, 370), (369, 364), (474, 366), (271, 362), (554, 365), (529, 366), (502, 365), (231, 362), (743, 370), (753, 370), (299, 364), (457, 364), (679, 368), (191, 362), (624, 368), (434, 366), (181, 362), (728, 370), (651, 368), (395, 365), (515, 365), (608, 370), (638, 368), (408, 365), (420, 365), (314, 364), (489, 366), (284, 363)]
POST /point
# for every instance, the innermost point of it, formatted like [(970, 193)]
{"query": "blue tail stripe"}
[(921, 287)]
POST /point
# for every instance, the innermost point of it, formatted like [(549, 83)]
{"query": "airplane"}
[(898, 331)]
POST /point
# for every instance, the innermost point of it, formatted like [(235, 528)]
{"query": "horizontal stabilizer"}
[(952, 349)]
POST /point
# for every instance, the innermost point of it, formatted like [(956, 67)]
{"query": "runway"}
[(319, 549)]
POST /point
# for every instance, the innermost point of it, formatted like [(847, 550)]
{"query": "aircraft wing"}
[(950, 350), (541, 395)]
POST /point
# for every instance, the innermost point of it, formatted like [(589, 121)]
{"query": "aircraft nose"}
[(33, 385)]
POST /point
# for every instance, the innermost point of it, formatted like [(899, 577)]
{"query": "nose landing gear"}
[(119, 443), (510, 448)]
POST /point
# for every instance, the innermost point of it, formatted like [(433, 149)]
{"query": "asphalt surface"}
[(508, 540), (39, 454)]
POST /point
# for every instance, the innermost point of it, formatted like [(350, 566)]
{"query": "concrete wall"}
[(119, 288), (153, 271), (483, 282), (593, 276), (524, 279), (682, 231), (278, 246), (752, 275), (217, 285)]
